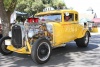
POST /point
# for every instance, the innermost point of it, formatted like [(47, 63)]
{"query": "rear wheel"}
[(41, 51), (83, 42), (3, 47)]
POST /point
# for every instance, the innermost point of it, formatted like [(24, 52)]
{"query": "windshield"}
[(50, 17)]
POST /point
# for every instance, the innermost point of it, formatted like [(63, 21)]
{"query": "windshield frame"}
[(51, 14)]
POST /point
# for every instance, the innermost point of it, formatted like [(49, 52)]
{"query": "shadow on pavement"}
[(60, 57)]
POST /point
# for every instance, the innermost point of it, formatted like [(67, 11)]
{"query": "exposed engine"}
[(37, 30), (32, 31)]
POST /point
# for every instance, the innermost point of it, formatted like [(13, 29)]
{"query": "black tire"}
[(41, 51), (0, 36), (3, 47), (83, 42)]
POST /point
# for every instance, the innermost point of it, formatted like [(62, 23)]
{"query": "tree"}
[(29, 6), (57, 4), (6, 9), (34, 6)]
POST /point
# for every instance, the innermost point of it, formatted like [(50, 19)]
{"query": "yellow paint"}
[(82, 33), (95, 29), (58, 32), (55, 11), (21, 50), (29, 46), (62, 31), (65, 31)]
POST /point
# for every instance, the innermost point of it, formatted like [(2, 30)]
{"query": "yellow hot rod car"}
[(47, 30)]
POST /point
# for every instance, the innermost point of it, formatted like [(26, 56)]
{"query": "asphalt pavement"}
[(68, 56)]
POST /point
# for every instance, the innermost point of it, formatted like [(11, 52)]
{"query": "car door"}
[(68, 26), (77, 26)]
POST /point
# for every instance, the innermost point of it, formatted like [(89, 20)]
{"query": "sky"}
[(82, 5)]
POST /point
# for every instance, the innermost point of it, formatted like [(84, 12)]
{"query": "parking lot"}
[(68, 56)]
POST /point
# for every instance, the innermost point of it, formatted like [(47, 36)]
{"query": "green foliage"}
[(38, 6), (7, 3), (58, 4), (30, 6), (21, 5), (34, 6), (44, 1)]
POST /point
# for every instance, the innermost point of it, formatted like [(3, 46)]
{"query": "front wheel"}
[(3, 47), (41, 51), (83, 42)]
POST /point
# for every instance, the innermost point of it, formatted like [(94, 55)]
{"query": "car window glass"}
[(50, 17), (76, 17), (69, 18)]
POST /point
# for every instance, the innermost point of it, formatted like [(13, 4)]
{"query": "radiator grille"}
[(16, 36)]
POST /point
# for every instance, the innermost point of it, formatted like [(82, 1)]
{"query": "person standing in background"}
[(13, 18), (90, 26), (85, 25)]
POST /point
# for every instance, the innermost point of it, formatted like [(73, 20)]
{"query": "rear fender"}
[(82, 33)]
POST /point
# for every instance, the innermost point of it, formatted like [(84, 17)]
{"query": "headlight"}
[(8, 42), (49, 27), (10, 34)]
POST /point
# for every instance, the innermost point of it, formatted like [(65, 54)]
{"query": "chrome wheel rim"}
[(43, 51), (4, 47), (86, 39)]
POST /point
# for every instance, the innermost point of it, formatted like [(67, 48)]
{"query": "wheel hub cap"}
[(43, 51)]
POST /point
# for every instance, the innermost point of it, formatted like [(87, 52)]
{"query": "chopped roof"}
[(56, 11)]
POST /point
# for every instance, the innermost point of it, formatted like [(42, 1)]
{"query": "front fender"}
[(82, 33)]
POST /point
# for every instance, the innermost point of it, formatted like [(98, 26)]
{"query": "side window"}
[(76, 17), (70, 17)]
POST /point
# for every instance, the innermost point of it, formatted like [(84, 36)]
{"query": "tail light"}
[(33, 20)]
